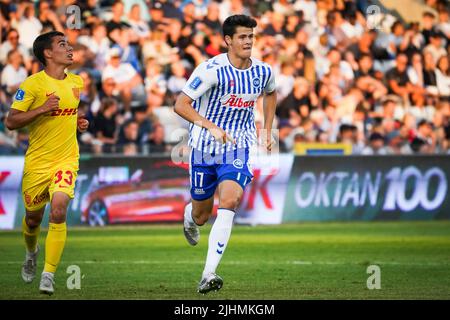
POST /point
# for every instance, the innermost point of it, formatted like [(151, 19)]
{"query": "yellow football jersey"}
[(53, 136)]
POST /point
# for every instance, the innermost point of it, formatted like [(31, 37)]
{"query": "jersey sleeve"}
[(270, 85), (79, 82), (202, 79), (25, 96)]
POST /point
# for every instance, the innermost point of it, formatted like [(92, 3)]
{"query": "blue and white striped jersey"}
[(227, 96)]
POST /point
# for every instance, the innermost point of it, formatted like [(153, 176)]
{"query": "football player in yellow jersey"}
[(47, 102)]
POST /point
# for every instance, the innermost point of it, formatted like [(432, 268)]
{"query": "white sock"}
[(48, 273), (188, 213), (218, 239)]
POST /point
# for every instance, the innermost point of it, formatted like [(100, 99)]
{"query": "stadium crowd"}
[(374, 82)]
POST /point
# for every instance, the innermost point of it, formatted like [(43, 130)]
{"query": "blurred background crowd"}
[(344, 75)]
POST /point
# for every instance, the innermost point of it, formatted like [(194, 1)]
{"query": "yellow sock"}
[(30, 235), (54, 245)]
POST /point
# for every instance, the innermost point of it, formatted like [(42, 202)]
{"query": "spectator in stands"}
[(98, 44), (157, 15), (128, 137), (439, 127), (376, 145), (177, 80), (49, 18), (415, 70), (285, 80), (294, 23), (398, 143), (397, 77), (300, 101), (157, 48), (424, 141), (155, 84), (334, 57), (349, 134), (157, 143), (13, 74), (106, 125), (211, 19), (399, 40), (12, 43), (231, 7), (435, 47), (443, 25), (145, 124), (28, 26), (429, 74), (428, 24), (127, 81), (443, 77), (140, 28), (128, 53), (117, 20), (109, 91), (89, 93), (215, 45)]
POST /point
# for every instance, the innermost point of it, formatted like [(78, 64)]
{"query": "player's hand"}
[(82, 123), (220, 135), (51, 104), (267, 139)]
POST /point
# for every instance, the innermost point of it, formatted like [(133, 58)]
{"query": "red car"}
[(151, 201)]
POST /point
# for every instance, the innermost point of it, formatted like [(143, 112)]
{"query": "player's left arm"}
[(269, 106)]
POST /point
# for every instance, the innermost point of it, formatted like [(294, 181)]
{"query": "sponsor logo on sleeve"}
[(19, 95), (195, 83)]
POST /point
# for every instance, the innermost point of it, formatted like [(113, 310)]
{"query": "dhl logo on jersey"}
[(64, 112)]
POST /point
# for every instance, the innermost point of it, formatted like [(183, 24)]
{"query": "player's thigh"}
[(35, 193), (64, 177), (230, 194), (233, 177), (61, 191)]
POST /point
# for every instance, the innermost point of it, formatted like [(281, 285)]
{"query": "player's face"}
[(61, 52), (242, 42)]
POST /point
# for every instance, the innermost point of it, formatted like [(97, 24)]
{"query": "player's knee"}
[(231, 203), (201, 216), (58, 214), (33, 222)]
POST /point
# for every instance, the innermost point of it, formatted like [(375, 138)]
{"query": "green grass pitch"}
[(292, 261)]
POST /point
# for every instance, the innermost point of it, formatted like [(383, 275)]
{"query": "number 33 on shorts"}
[(64, 181)]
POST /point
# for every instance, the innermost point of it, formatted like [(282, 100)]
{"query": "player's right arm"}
[(20, 116), (198, 84)]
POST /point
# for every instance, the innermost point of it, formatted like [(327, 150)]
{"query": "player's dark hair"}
[(239, 20), (42, 42)]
